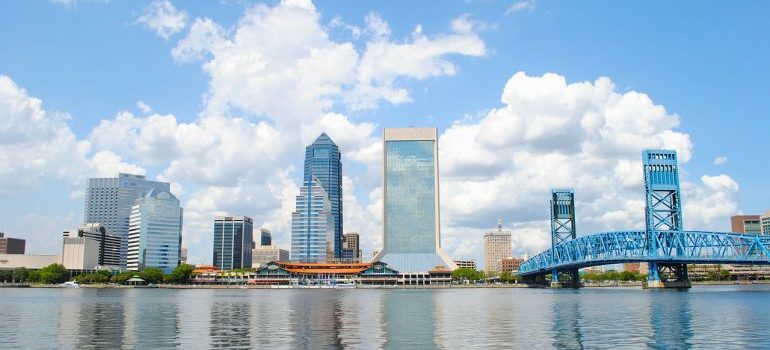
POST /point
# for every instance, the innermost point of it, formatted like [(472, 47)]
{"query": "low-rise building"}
[(261, 255), (466, 264), (10, 245), (34, 262), (511, 265), (746, 224), (102, 245)]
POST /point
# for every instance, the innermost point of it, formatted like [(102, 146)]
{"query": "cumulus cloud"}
[(163, 18), (549, 133), (280, 62)]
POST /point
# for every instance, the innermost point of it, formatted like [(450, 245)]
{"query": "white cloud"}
[(720, 160), (548, 134), (163, 18), (525, 5), (144, 107), (280, 62)]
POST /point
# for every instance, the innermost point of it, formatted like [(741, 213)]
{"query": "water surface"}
[(732, 317)]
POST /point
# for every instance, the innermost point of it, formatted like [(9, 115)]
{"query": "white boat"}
[(70, 284), (345, 285)]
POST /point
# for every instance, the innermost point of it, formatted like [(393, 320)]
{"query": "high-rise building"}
[(746, 224), (155, 232), (323, 162), (106, 243), (497, 246), (350, 247), (109, 201), (312, 225), (10, 245), (183, 255), (411, 232), (510, 264), (233, 237), (264, 254), (765, 222), (265, 237)]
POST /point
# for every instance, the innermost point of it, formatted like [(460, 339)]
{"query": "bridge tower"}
[(663, 213), (562, 230)]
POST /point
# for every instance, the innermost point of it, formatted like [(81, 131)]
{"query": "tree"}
[(466, 274), (152, 275), (52, 274), (122, 277), (181, 274), (21, 274)]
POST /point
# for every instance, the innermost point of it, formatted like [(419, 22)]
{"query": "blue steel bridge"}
[(664, 245)]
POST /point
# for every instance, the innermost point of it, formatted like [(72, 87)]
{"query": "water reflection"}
[(671, 319), (100, 323), (314, 319), (566, 317), (409, 320), (230, 323)]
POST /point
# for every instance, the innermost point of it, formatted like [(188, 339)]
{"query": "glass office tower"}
[(324, 163), (411, 237), (233, 238), (108, 201), (155, 232), (312, 225)]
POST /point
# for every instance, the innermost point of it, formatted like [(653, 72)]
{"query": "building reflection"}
[(566, 327), (100, 325), (409, 319), (671, 320), (230, 323), (361, 319), (314, 319)]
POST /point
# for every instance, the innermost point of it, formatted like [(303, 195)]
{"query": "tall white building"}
[(312, 225), (109, 200), (155, 232), (497, 246)]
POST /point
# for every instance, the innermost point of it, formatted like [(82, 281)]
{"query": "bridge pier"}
[(674, 276), (572, 282)]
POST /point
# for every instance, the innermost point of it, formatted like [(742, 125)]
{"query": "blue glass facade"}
[(312, 225), (155, 232), (411, 205), (323, 162), (233, 236)]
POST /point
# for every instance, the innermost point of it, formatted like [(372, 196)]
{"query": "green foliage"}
[(6, 276), (53, 274), (152, 275), (21, 274), (122, 277), (507, 277), (613, 275), (466, 274), (101, 276), (181, 274), (718, 274)]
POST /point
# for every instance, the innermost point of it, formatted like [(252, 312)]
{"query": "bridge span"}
[(664, 245)]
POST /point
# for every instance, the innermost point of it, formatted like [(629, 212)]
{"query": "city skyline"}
[(514, 118)]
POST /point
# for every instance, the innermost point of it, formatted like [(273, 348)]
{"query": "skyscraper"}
[(312, 225), (233, 237), (497, 246), (324, 163), (109, 201), (411, 235), (155, 232), (265, 237)]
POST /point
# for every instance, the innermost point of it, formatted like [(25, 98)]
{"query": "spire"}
[(499, 224)]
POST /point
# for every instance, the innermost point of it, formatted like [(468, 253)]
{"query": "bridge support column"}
[(661, 276), (572, 282)]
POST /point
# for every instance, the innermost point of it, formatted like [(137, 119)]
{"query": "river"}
[(723, 317)]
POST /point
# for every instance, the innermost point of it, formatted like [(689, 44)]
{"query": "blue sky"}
[(700, 67)]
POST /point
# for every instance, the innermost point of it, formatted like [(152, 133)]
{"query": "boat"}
[(70, 284), (345, 285)]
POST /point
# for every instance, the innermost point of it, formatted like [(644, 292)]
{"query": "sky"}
[(220, 99)]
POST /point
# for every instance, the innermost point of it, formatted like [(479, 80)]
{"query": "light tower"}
[(663, 215), (562, 228)]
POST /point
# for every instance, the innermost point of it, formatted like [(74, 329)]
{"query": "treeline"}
[(471, 275), (613, 275), (56, 273)]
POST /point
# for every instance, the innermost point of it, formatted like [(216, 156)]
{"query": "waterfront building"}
[(323, 162), (29, 261), (77, 252), (350, 247), (10, 245), (155, 232), (325, 274), (746, 224), (233, 237), (262, 255), (312, 225), (510, 264), (183, 255), (411, 220), (497, 246), (765, 222), (466, 264), (109, 201), (265, 237)]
